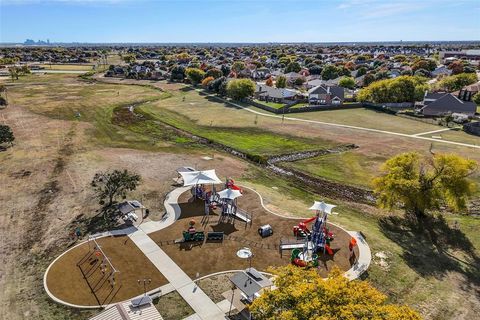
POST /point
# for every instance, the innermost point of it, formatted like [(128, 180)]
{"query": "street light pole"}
[(145, 282)]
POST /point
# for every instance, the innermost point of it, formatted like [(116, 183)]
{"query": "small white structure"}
[(230, 194), (194, 178)]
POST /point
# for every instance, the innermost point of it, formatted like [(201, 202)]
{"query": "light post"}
[(145, 282)]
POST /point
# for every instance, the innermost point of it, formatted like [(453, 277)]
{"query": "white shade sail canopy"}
[(229, 194), (322, 206), (192, 178)]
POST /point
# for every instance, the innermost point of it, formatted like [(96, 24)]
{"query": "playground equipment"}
[(106, 267), (315, 240), (265, 231), (227, 200), (300, 261), (192, 234)]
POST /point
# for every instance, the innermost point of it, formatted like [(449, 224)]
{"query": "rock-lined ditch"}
[(318, 185)]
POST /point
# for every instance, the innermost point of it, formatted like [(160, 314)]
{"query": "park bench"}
[(197, 236), (215, 236)]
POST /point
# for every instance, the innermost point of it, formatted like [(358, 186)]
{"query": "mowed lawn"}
[(352, 167), (68, 67), (367, 118)]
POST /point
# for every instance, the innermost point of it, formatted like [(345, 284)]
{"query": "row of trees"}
[(456, 82), (400, 89)]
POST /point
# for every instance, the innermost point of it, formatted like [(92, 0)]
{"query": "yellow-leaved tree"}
[(419, 183), (304, 295)]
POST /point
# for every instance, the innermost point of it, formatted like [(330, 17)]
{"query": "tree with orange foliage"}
[(269, 82), (207, 80), (303, 294)]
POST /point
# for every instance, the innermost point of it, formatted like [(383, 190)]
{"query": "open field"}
[(69, 67), (172, 306), (77, 278), (349, 167), (47, 173), (369, 119)]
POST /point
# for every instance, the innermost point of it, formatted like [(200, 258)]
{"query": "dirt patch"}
[(77, 277), (210, 257), (214, 286), (172, 306)]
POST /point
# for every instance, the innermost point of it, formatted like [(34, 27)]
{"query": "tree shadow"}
[(428, 245)]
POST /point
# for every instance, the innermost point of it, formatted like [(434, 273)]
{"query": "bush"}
[(239, 89)]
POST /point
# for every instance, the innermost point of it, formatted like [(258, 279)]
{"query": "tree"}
[(281, 82), (476, 98), (206, 81), (315, 69), (225, 70), (269, 82), (239, 89), (6, 135), (400, 89), (218, 86), (177, 73), (214, 72), (303, 294), (361, 71), (13, 73), (110, 185), (426, 64), (329, 72), (299, 81), (293, 67), (456, 82), (238, 66), (419, 184), (456, 67), (194, 75), (129, 58), (347, 82)]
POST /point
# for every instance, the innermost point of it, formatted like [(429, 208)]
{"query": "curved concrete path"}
[(203, 306)]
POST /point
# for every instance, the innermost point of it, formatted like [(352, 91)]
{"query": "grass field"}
[(440, 278), (69, 67), (350, 168), (369, 119), (271, 104)]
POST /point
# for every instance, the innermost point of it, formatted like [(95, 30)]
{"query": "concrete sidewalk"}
[(203, 306)]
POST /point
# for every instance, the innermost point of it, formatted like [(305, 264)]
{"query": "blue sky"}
[(238, 20)]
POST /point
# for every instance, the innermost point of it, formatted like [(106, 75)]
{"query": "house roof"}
[(335, 91), (449, 103), (272, 92), (250, 281)]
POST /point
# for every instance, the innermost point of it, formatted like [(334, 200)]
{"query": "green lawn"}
[(350, 167), (369, 119), (271, 104)]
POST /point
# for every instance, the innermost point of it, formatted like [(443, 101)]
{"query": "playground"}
[(203, 238), (216, 237), (79, 278)]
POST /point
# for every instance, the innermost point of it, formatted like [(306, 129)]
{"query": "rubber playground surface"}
[(213, 256), (66, 281)]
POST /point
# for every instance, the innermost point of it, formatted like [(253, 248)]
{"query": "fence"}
[(472, 128)]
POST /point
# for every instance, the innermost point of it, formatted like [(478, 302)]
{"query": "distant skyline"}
[(234, 21)]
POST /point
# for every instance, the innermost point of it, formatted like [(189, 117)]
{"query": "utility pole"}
[(145, 282)]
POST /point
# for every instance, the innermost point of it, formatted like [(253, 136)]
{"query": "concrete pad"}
[(193, 317), (200, 302), (224, 305)]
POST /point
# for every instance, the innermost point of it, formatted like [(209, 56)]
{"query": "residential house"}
[(441, 71), (467, 93), (440, 104), (325, 94), (279, 95)]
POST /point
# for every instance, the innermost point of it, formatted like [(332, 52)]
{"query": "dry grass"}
[(77, 278)]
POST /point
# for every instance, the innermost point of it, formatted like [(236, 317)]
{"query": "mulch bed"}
[(209, 257), (85, 284)]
